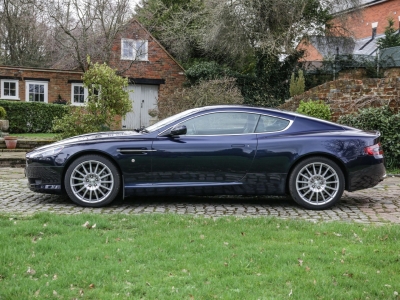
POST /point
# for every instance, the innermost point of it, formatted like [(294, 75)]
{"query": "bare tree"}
[(85, 28), (24, 34)]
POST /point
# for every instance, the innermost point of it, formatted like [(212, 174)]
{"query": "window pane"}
[(222, 123), (36, 92), (127, 49), (271, 124), (78, 94)]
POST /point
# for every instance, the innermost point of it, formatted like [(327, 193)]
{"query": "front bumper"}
[(44, 179)]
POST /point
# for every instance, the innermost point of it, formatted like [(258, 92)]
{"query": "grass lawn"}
[(168, 256), (36, 136)]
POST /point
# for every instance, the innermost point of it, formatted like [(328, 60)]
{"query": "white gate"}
[(144, 98)]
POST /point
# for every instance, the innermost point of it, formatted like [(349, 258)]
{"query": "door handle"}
[(238, 145)]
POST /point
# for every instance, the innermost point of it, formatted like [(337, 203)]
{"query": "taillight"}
[(374, 150)]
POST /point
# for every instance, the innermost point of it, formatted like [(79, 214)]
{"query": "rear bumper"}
[(366, 177)]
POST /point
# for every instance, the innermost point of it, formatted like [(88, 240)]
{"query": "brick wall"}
[(360, 23), (160, 64), (311, 53), (57, 80), (342, 94)]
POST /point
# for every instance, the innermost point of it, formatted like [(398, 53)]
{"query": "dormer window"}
[(134, 49)]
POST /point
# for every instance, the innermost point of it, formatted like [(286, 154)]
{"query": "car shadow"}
[(206, 200)]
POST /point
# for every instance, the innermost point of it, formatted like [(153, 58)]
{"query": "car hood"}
[(93, 137)]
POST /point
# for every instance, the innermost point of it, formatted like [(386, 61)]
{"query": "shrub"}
[(107, 99), (32, 116), (297, 85), (387, 122), (209, 70), (211, 92), (3, 113), (318, 109)]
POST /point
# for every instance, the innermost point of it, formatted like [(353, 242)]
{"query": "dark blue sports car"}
[(216, 150)]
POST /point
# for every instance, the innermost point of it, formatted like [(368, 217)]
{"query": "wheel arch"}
[(336, 160), (89, 152)]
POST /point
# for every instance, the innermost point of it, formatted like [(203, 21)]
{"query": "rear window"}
[(271, 124)]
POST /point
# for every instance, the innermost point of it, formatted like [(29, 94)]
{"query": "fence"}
[(386, 58)]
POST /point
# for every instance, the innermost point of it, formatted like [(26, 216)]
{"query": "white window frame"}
[(46, 90), (136, 45), (85, 94), (8, 97)]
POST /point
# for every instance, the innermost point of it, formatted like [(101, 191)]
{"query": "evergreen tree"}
[(392, 37)]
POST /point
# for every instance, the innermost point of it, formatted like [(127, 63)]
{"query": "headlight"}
[(47, 152)]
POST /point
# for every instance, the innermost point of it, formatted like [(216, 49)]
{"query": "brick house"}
[(364, 27), (152, 72)]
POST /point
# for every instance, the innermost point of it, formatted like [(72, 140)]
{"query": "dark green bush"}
[(32, 116), (387, 122), (317, 109)]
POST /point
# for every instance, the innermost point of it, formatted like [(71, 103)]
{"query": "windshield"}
[(171, 119)]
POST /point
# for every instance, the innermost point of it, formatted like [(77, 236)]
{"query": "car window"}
[(171, 119), (271, 124), (222, 123)]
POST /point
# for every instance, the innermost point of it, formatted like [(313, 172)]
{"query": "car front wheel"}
[(92, 180), (316, 183)]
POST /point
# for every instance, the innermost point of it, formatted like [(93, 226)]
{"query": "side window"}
[(222, 123), (271, 124), (134, 49), (78, 94), (36, 91), (9, 89)]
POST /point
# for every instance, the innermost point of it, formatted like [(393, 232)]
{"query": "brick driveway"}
[(376, 205)]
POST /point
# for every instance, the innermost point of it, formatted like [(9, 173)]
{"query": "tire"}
[(92, 181), (316, 183)]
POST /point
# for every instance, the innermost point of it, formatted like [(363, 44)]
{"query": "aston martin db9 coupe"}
[(215, 150)]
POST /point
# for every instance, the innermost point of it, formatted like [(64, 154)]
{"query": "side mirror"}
[(178, 130)]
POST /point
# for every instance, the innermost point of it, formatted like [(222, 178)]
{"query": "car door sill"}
[(179, 184)]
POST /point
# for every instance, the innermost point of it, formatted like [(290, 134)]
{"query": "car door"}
[(218, 148)]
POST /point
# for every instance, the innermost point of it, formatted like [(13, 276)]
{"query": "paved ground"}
[(380, 204)]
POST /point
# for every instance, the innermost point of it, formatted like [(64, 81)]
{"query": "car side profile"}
[(215, 150)]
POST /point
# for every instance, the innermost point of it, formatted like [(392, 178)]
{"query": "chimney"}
[(374, 28)]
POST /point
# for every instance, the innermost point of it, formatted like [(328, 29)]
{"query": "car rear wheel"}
[(316, 183), (92, 180)]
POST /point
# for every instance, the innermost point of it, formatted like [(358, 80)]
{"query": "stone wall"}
[(347, 95), (26, 144)]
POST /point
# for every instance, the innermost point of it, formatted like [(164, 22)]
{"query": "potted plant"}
[(4, 124), (11, 141)]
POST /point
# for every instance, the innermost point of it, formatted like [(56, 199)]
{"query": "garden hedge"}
[(384, 119), (32, 116)]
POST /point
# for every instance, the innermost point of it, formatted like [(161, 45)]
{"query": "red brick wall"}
[(160, 64), (57, 80), (343, 93), (360, 23), (311, 53)]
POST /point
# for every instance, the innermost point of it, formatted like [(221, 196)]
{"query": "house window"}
[(9, 89), (134, 49), (36, 91), (78, 94)]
